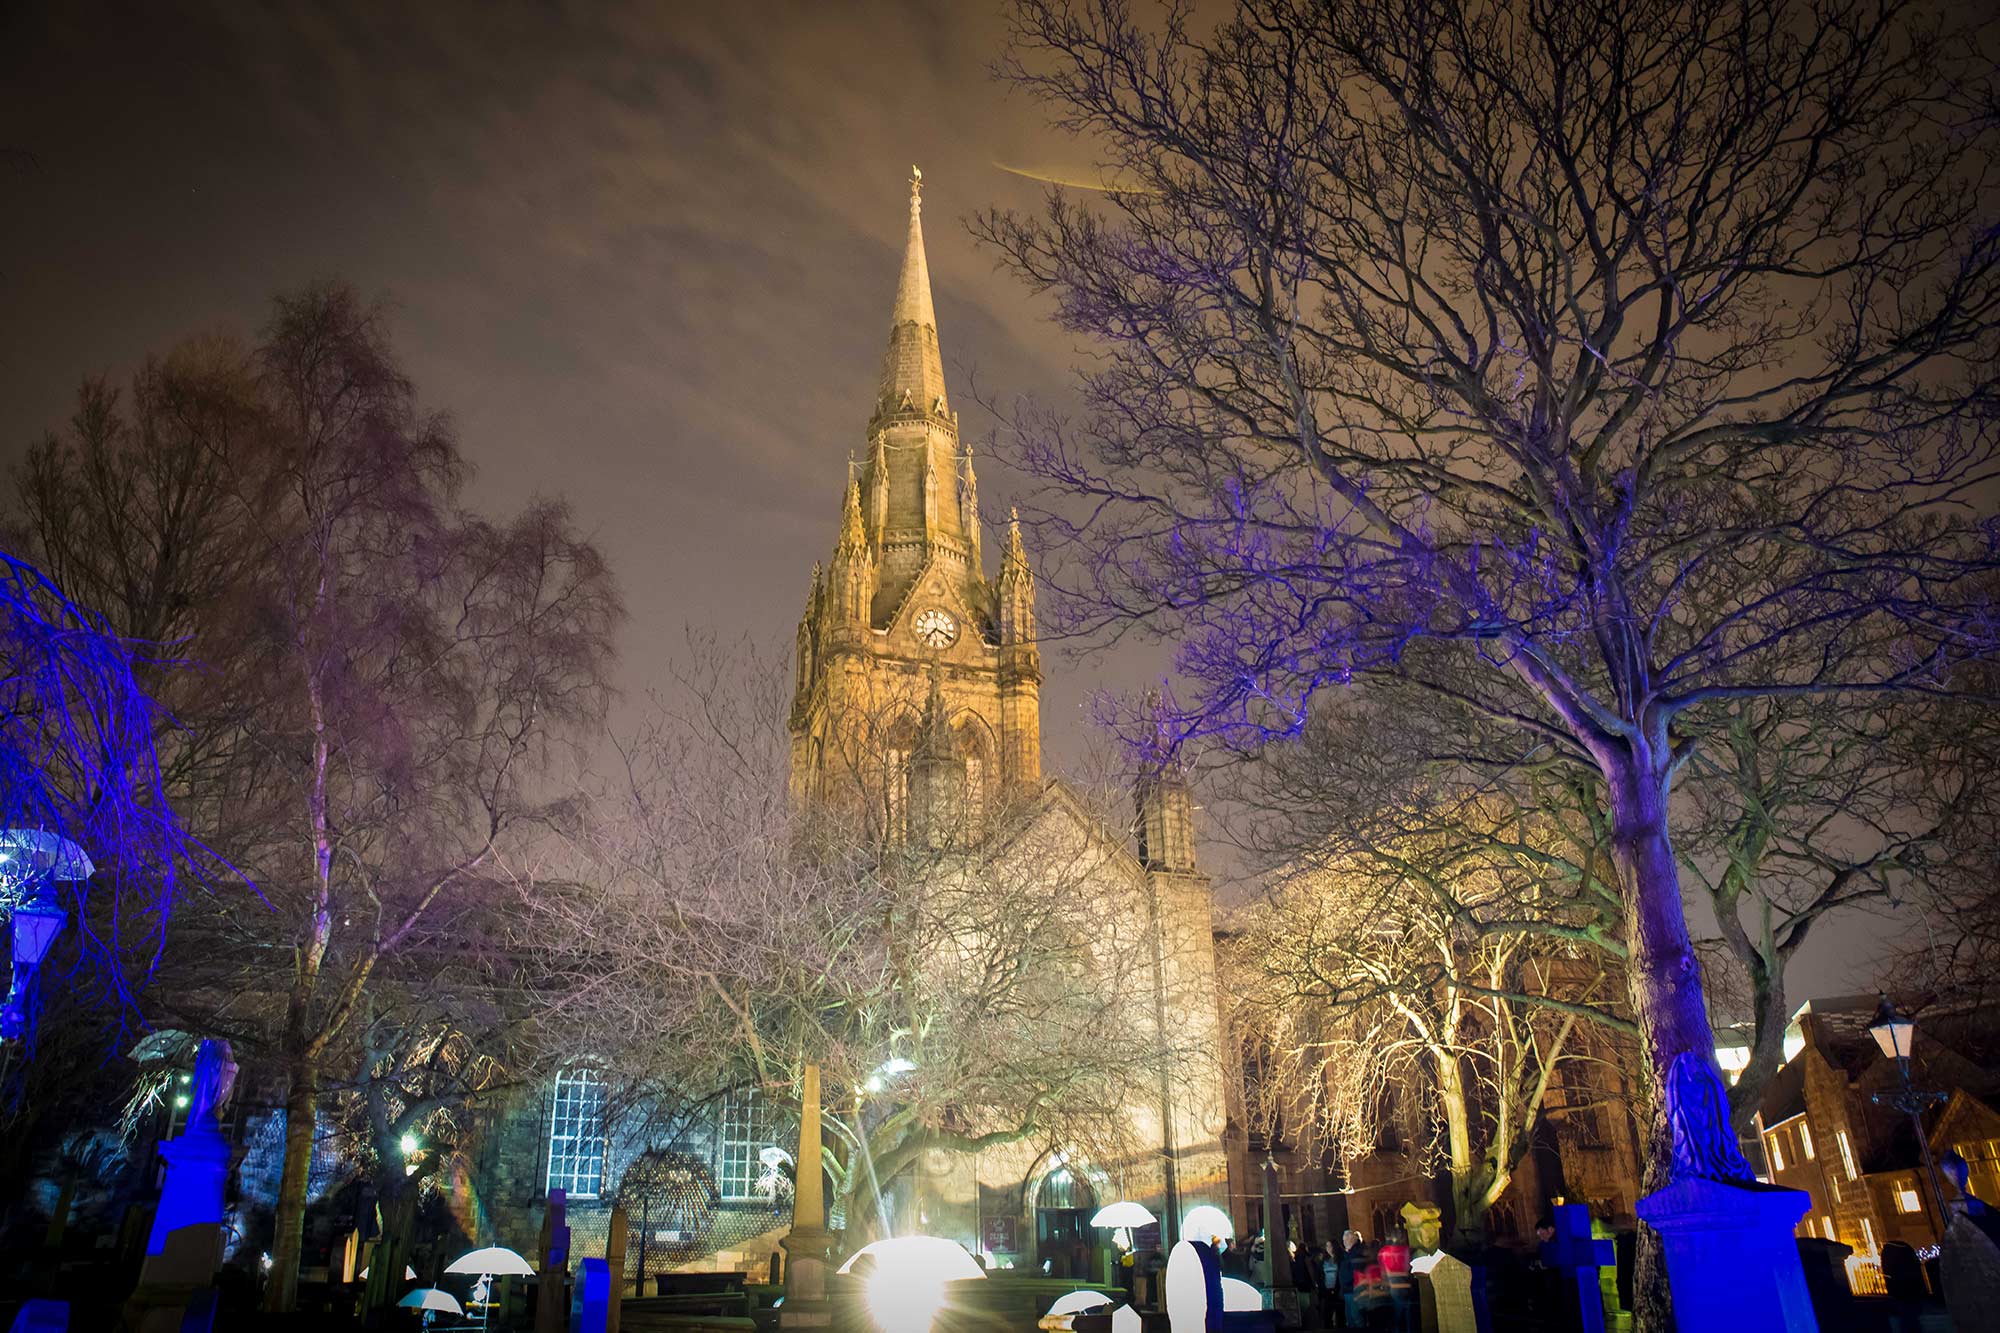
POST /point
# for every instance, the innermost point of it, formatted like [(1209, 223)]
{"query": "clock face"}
[(936, 627)]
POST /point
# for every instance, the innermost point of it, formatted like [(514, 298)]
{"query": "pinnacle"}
[(853, 536), (1017, 554)]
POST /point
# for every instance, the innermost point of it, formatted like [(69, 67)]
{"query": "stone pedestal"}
[(184, 1247), (1732, 1257)]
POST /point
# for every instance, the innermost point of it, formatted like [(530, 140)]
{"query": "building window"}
[(1826, 1223), (1868, 1234), (1805, 1141), (1846, 1154), (576, 1134), (1906, 1199), (1777, 1151), (746, 1133)]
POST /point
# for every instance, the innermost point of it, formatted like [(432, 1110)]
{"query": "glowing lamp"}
[(1892, 1030), (410, 1145)]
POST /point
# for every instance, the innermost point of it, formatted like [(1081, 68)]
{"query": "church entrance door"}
[(1064, 1239)]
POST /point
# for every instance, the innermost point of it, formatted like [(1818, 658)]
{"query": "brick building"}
[(1822, 1131)]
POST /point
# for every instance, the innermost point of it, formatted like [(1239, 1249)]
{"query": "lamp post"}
[(32, 863), (1895, 1034)]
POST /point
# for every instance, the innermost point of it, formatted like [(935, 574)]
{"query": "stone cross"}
[(1579, 1255)]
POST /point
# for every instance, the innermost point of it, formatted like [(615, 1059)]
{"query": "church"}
[(917, 704)]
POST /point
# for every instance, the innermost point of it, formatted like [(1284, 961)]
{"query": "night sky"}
[(643, 252)]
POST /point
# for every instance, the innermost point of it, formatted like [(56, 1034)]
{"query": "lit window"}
[(1805, 1141), (1777, 1152), (576, 1134), (746, 1132), (1846, 1154), (1868, 1234), (1827, 1224), (1907, 1201)]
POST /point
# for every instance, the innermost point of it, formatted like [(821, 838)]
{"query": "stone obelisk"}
[(808, 1243)]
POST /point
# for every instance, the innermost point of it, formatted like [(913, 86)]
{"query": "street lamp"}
[(1896, 1034), (32, 863)]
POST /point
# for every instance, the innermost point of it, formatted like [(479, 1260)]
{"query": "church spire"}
[(913, 369)]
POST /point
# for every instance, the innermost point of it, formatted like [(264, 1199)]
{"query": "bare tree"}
[(1440, 921), (385, 678), (1635, 360), (959, 990), (1797, 813)]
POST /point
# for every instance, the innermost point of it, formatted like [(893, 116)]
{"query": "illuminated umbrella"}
[(1240, 1295), (1124, 1213), (906, 1288), (942, 1260), (430, 1298), (1076, 1302), (493, 1261), (1206, 1220)]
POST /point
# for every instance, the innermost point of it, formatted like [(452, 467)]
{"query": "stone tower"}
[(906, 601)]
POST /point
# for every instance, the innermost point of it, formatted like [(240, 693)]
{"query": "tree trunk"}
[(1664, 978), (385, 1275), (281, 1288)]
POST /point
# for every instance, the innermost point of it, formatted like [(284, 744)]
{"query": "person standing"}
[(1348, 1263), (1394, 1257)]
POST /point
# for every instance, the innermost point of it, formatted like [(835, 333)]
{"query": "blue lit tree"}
[(1590, 366), (77, 761)]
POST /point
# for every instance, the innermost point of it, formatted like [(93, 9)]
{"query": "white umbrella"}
[(430, 1298), (493, 1261), (941, 1260), (1076, 1302), (1206, 1220), (1240, 1295), (1124, 1213)]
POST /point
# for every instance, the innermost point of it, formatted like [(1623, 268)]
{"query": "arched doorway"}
[(1064, 1239)]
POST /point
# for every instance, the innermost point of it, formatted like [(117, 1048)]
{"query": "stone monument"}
[(1459, 1309), (1731, 1250), (807, 1244), (1278, 1251), (552, 1295), (1578, 1255), (184, 1247)]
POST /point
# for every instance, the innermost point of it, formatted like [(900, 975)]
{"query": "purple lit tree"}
[(1588, 366)]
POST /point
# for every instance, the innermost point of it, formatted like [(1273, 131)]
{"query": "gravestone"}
[(1460, 1309), (552, 1296), (1970, 1264), (1824, 1263), (184, 1246), (591, 1310), (42, 1316), (1578, 1255), (1194, 1287)]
